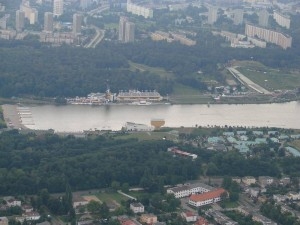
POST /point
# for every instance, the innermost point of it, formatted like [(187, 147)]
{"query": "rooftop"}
[(208, 195)]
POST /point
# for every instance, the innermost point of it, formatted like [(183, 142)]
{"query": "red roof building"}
[(201, 221), (206, 198)]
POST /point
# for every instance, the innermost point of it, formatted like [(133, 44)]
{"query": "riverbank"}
[(12, 117), (201, 99)]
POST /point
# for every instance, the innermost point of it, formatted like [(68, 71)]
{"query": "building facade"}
[(122, 27), (137, 207), (274, 37), (212, 15), (139, 10), (206, 198), (48, 22), (248, 180), (20, 20), (187, 190), (58, 7), (3, 221), (282, 20), (238, 16), (263, 18), (129, 32), (77, 20), (30, 13)]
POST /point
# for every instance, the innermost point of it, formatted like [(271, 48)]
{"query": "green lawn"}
[(296, 144), (227, 205), (148, 136), (269, 78), (156, 70), (111, 26), (186, 95), (109, 197)]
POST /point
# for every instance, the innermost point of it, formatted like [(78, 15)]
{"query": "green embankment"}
[(269, 78), (2, 122)]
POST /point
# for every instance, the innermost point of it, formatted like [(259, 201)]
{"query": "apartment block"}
[(274, 37)]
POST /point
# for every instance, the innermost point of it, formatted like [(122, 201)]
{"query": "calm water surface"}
[(73, 118)]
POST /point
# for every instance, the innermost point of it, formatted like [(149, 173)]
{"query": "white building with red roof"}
[(206, 198)]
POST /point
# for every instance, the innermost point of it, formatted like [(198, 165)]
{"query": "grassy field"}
[(296, 144), (111, 26), (269, 78), (149, 136), (187, 95), (156, 70), (111, 197), (2, 122)]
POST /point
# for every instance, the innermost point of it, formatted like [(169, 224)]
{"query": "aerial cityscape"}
[(149, 112)]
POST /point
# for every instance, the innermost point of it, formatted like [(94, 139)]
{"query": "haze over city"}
[(154, 112)]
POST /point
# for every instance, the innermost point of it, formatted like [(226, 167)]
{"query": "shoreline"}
[(12, 118)]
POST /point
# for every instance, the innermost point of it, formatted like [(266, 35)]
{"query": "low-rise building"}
[(220, 218), (177, 151), (294, 196), (248, 180), (79, 201), (148, 218), (29, 216), (27, 208), (253, 191), (284, 181), (262, 219), (279, 198), (201, 221), (187, 190), (130, 126), (12, 202), (236, 179), (265, 181), (137, 207), (207, 198), (3, 221), (189, 216)]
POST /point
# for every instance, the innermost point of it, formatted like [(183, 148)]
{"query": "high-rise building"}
[(58, 7), (48, 22), (129, 32), (20, 18), (122, 27), (3, 21), (212, 15), (282, 20), (277, 38), (139, 10), (238, 16), (77, 20), (126, 30), (30, 13), (33, 18), (84, 4), (263, 18)]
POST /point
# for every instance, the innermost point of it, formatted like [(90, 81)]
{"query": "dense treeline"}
[(29, 163), (67, 71), (30, 68)]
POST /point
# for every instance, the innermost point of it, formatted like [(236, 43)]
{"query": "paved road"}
[(246, 81), (97, 39)]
